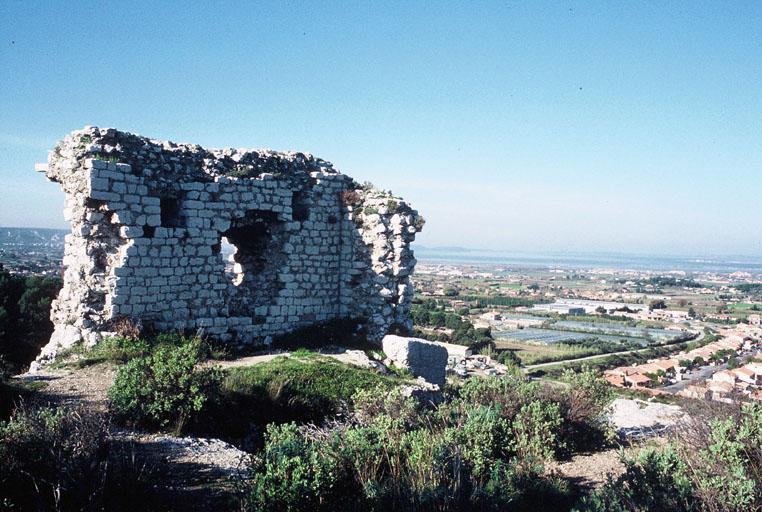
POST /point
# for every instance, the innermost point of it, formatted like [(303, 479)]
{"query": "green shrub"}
[(485, 450), (163, 388), (534, 434), (584, 403), (433, 462), (508, 392), (713, 464), (293, 473), (61, 459)]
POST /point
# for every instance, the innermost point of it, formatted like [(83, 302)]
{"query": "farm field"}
[(531, 353), (618, 329), (551, 336)]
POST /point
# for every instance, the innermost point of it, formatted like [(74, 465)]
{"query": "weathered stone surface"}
[(148, 221), (423, 358)]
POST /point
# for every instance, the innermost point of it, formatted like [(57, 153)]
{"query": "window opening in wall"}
[(252, 253), (233, 270), (300, 206), (170, 212)]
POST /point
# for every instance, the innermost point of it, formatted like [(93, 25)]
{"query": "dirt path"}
[(590, 470), (88, 386), (194, 473)]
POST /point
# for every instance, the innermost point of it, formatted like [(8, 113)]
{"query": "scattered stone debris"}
[(150, 219), (423, 391), (465, 366), (639, 419), (216, 458)]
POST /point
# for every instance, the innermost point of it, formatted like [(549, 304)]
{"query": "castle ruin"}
[(154, 224)]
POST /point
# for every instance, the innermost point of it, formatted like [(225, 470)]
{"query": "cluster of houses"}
[(746, 380), (673, 369)]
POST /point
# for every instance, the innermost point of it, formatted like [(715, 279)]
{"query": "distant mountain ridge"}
[(33, 236)]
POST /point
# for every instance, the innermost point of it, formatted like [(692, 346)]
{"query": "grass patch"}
[(305, 387), (316, 383), (120, 350)]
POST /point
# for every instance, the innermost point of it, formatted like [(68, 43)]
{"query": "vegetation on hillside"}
[(429, 313), (485, 448), (25, 324), (712, 464), (62, 459)]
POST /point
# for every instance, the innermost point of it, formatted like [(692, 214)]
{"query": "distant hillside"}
[(32, 237)]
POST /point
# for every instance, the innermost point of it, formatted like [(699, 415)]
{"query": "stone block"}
[(423, 358)]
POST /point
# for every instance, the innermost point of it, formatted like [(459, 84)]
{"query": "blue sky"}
[(535, 126)]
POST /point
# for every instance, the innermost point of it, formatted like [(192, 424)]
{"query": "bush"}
[(534, 434), (484, 450), (508, 357), (60, 459), (293, 473), (164, 388), (584, 403), (713, 464)]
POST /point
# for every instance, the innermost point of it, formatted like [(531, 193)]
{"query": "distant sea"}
[(720, 265)]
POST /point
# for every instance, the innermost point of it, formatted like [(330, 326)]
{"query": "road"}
[(695, 376), (600, 356)]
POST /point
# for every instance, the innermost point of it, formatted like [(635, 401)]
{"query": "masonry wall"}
[(148, 223)]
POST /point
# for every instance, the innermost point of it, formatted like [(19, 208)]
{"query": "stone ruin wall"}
[(148, 218)]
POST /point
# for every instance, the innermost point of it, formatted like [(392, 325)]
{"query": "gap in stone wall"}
[(233, 271), (300, 206), (257, 239), (170, 212)]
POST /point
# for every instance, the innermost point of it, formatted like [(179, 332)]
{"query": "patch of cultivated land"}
[(529, 353)]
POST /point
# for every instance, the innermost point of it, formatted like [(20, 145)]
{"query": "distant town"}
[(653, 333)]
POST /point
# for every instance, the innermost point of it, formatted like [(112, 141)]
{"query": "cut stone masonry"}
[(149, 224)]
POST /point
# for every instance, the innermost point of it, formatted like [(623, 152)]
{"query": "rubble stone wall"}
[(148, 223)]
